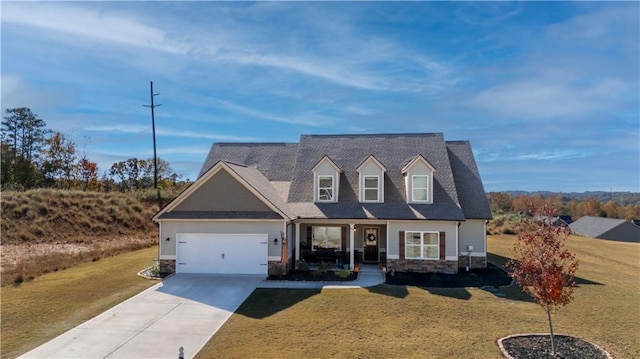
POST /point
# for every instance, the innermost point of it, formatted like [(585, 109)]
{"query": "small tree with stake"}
[(541, 264)]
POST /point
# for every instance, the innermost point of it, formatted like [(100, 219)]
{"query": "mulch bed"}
[(492, 276), (539, 347), (312, 276)]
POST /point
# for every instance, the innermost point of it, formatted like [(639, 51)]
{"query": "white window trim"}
[(422, 245), (378, 189), (333, 188), (413, 188)]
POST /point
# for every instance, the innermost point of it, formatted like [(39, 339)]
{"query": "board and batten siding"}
[(450, 229), (169, 229), (222, 192)]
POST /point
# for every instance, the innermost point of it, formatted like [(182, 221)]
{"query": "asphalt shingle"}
[(457, 189)]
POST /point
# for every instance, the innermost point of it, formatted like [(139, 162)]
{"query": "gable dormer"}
[(418, 177), (326, 181), (371, 180)]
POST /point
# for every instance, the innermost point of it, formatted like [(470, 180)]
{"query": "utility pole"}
[(155, 159)]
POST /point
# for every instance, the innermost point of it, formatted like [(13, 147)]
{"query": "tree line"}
[(502, 202), (34, 156)]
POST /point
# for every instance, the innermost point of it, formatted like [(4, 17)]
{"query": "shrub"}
[(343, 273)]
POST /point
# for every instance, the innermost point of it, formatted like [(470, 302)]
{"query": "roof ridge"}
[(404, 134)]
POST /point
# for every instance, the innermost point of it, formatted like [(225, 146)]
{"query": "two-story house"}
[(412, 202)]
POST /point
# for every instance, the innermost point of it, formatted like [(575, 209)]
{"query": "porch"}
[(341, 245)]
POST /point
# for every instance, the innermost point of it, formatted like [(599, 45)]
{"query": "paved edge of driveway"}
[(183, 311)]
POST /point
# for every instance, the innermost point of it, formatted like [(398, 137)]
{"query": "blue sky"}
[(547, 92)]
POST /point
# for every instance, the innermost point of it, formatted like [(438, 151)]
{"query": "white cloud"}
[(76, 21), (170, 132), (551, 97)]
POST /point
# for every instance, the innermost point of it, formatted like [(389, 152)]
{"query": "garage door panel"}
[(222, 253)]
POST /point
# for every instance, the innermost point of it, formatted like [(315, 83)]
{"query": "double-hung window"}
[(325, 188), (421, 245), (371, 188), (420, 185)]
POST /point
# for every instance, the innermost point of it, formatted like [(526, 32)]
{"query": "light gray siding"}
[(450, 229), (222, 193), (473, 232)]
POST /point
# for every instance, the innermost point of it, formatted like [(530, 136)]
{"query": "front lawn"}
[(37, 311), (403, 322)]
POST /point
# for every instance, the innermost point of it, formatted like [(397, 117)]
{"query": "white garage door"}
[(222, 253)]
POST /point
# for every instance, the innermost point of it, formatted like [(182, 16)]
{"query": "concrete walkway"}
[(185, 310), (182, 311), (369, 276)]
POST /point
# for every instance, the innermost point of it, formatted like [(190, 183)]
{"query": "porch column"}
[(297, 241), (351, 259)]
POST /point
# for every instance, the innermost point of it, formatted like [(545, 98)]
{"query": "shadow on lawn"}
[(455, 293), (395, 291), (264, 303), (500, 261)]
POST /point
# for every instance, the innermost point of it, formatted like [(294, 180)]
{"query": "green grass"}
[(37, 311), (405, 322)]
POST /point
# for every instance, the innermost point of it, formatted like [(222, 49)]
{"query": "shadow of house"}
[(263, 302), (455, 293), (395, 291)]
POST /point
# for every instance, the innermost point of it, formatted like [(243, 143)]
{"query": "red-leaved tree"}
[(542, 265)]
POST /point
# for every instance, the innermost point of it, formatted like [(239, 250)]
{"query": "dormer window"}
[(371, 187), (326, 180), (325, 189), (371, 183), (420, 188), (419, 180)]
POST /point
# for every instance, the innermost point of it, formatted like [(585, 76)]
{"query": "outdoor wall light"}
[(168, 239), (275, 241)]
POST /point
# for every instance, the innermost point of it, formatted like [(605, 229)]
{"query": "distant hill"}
[(621, 198)]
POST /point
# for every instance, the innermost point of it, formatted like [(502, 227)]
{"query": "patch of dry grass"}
[(37, 311), (48, 215), (24, 262), (412, 322), (46, 230)]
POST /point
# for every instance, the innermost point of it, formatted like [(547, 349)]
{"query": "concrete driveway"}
[(185, 310)]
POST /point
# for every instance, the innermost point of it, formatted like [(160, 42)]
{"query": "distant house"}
[(405, 201), (566, 219), (606, 228)]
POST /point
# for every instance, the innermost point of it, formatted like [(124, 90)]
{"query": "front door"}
[(370, 245)]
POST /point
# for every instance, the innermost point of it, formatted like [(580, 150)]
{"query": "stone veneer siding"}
[(476, 262), (423, 266), (167, 266), (276, 268)]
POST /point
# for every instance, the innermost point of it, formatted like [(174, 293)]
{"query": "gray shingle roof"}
[(473, 199), (594, 226), (394, 151), (274, 160), (454, 199), (260, 183)]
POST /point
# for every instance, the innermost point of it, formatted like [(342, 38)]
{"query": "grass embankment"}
[(37, 311), (412, 322), (48, 230)]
